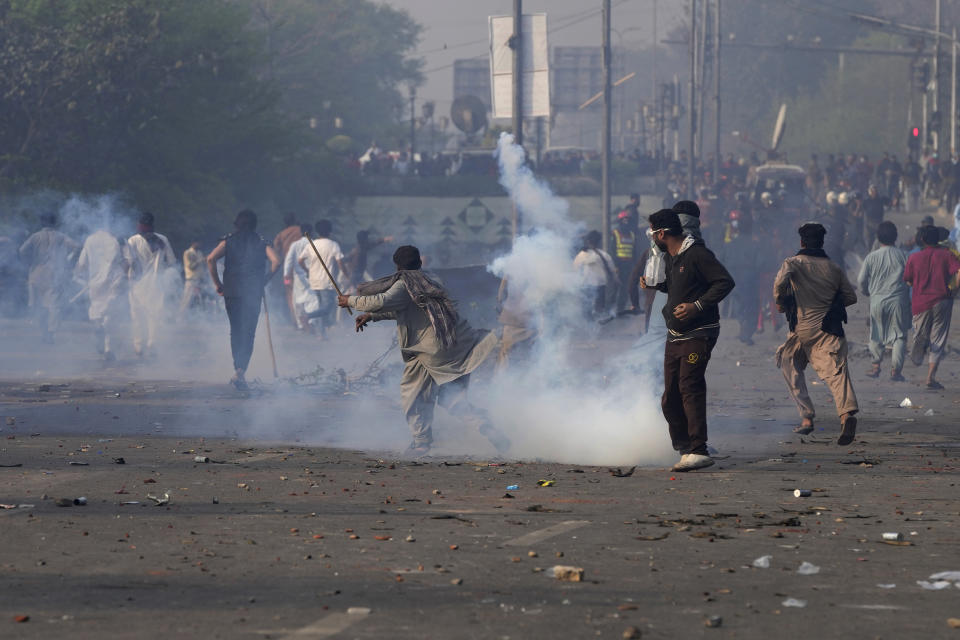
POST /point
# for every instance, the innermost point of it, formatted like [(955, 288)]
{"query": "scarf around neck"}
[(816, 253), (426, 294)]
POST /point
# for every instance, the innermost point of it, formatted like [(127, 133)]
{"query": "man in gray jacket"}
[(439, 348)]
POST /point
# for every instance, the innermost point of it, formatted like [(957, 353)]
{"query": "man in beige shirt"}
[(814, 291), (439, 347)]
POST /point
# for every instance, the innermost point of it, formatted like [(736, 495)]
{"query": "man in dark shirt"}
[(873, 208), (695, 284), (245, 254)]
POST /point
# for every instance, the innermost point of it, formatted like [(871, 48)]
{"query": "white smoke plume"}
[(554, 406)]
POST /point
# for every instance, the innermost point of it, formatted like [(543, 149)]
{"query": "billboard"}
[(536, 67)]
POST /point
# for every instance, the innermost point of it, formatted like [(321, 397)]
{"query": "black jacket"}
[(695, 276)]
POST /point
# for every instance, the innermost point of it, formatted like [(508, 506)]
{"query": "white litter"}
[(934, 586), (906, 403), (358, 611), (887, 586), (947, 575), (808, 569), (763, 562), (928, 412), (794, 602)]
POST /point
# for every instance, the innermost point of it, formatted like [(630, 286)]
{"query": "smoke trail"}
[(552, 406)]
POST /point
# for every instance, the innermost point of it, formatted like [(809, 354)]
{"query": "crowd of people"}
[(727, 254)]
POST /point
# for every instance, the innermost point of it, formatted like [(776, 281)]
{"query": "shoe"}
[(418, 449), (683, 458), (874, 372), (692, 461), (933, 385), (109, 357), (803, 429), (848, 432), (747, 341), (239, 384), (896, 376)]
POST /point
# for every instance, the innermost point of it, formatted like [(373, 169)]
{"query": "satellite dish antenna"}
[(778, 130), (469, 114)]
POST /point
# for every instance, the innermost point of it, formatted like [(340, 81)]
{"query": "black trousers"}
[(684, 399), (243, 314)]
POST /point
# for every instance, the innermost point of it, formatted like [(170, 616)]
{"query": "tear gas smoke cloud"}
[(550, 405)]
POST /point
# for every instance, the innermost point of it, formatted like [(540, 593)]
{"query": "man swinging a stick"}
[(439, 348)]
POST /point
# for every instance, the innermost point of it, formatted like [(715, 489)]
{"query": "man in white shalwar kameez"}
[(440, 349), (302, 297), (102, 269), (48, 254), (151, 260)]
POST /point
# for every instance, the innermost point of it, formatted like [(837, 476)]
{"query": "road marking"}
[(543, 534), (326, 627)]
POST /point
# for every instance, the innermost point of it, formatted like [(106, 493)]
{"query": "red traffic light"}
[(916, 132)]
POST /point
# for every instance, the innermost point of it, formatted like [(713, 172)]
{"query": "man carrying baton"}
[(439, 348), (245, 255)]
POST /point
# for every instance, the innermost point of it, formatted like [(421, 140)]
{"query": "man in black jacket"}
[(696, 282)]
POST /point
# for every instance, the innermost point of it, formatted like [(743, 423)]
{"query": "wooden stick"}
[(273, 356), (324, 265)]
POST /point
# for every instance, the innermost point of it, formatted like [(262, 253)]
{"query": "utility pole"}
[(691, 162), (653, 93), (605, 137), (516, 43), (517, 46), (935, 105), (953, 94), (702, 77), (716, 91), (413, 122)]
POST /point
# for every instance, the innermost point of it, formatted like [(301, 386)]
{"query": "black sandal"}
[(848, 432), (803, 429)]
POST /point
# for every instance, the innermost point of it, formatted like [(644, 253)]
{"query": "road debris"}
[(617, 473), (568, 573), (763, 562), (160, 500), (794, 602), (713, 622), (807, 569)]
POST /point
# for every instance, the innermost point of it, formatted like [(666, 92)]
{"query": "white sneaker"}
[(683, 459), (692, 461)]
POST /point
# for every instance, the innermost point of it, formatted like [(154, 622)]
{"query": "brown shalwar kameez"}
[(815, 281), (432, 374)]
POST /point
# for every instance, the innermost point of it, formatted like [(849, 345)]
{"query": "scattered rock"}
[(568, 573)]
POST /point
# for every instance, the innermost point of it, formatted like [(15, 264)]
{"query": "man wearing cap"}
[(695, 284), (439, 347), (814, 292), (149, 256), (932, 273), (48, 254)]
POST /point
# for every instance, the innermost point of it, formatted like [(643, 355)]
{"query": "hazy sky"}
[(461, 27)]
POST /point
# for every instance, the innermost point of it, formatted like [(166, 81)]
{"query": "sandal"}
[(803, 429), (874, 372), (848, 432), (934, 386), (896, 376)]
